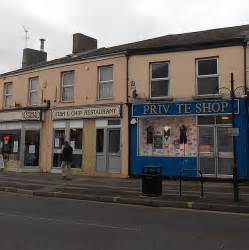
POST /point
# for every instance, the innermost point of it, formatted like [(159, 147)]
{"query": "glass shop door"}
[(224, 151), (207, 157), (108, 150), (215, 151)]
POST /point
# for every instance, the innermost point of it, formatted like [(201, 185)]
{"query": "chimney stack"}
[(32, 56), (82, 43), (42, 44)]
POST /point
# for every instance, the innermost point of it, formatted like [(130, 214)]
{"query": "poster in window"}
[(158, 141), (15, 147), (57, 142), (1, 162), (150, 133), (72, 143), (31, 149)]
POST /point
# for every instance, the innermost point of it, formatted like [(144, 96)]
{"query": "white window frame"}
[(33, 91), (104, 82), (8, 95), (67, 86), (159, 79), (206, 76)]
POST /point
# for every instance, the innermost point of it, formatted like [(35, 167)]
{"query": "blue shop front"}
[(190, 136)]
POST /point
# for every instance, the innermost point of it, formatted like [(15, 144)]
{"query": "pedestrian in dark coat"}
[(67, 154)]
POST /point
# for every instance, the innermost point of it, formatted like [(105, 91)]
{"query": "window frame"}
[(105, 82), (206, 76), (5, 95), (62, 87), (30, 91), (159, 79)]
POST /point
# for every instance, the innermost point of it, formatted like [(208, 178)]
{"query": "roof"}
[(176, 42)]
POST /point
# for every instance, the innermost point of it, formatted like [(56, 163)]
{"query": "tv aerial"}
[(26, 38)]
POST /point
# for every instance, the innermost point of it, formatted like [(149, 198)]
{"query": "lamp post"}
[(233, 94)]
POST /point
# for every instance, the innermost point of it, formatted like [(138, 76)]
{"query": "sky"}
[(111, 22)]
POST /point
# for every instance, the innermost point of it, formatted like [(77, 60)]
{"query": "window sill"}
[(214, 96), (166, 98), (103, 99), (71, 101)]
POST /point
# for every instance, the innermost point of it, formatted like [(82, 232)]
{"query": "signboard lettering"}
[(87, 112), (195, 108)]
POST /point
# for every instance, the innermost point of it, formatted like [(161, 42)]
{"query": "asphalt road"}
[(32, 223)]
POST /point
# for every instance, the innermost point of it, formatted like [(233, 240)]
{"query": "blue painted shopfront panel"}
[(172, 166), (242, 141)]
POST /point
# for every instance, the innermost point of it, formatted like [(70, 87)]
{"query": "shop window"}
[(67, 85), (105, 82), (76, 138), (100, 140), (114, 122), (206, 120), (159, 79), (114, 140), (59, 138), (10, 145), (168, 136), (207, 76), (224, 119), (76, 161), (8, 92), (33, 91), (32, 148)]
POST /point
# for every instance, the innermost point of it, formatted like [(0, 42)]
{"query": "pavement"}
[(30, 222), (218, 196)]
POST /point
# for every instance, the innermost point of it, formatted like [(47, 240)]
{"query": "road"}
[(33, 223)]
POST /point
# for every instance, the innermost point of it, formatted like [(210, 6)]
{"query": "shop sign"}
[(188, 108), (34, 115), (87, 112), (20, 115)]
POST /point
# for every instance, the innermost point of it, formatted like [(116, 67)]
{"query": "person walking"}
[(67, 153)]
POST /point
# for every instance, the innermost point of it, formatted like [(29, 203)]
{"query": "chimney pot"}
[(42, 44)]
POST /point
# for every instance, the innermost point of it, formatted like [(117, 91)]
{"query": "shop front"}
[(189, 136), (20, 140), (94, 134)]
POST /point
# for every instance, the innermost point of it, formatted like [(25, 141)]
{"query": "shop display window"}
[(10, 145), (59, 138), (32, 148), (168, 136), (76, 138)]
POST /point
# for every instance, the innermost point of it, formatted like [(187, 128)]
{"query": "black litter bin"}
[(152, 181)]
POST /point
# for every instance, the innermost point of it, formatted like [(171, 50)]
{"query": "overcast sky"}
[(112, 22)]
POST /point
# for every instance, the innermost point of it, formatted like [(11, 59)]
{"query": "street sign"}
[(233, 131)]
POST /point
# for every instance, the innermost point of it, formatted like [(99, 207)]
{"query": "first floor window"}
[(207, 76), (105, 82), (159, 79), (33, 91), (67, 85), (8, 92)]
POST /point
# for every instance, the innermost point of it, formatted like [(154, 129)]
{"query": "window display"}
[(32, 145), (168, 136)]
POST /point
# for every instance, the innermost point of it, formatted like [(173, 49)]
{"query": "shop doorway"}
[(108, 157), (215, 146)]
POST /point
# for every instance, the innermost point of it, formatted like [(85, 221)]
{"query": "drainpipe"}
[(127, 105), (245, 44)]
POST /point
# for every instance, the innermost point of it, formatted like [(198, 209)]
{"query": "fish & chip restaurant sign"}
[(86, 112), (185, 108)]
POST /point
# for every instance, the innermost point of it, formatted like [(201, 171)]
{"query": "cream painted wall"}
[(182, 69), (85, 90)]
